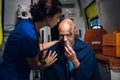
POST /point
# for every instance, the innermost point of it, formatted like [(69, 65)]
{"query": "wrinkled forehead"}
[(65, 29), (66, 26)]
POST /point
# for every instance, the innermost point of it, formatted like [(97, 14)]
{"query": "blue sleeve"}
[(88, 69), (30, 48)]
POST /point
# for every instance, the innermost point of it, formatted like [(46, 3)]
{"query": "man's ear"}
[(75, 31)]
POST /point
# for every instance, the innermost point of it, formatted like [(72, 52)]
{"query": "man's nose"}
[(65, 38)]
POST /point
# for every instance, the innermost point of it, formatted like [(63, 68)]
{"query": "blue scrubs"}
[(88, 69), (21, 44)]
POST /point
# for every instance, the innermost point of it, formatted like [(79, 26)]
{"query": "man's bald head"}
[(66, 23)]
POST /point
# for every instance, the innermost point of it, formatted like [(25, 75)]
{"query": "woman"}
[(21, 53)]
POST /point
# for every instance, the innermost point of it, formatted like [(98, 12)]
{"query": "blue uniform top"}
[(88, 69), (21, 44)]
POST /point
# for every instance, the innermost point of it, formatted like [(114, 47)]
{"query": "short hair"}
[(45, 8)]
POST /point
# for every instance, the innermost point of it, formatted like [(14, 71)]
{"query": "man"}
[(72, 51)]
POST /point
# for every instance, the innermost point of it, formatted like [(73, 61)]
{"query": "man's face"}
[(67, 35)]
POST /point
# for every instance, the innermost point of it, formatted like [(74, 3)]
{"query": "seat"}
[(94, 37)]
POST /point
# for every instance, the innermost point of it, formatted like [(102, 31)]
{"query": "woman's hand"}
[(50, 59)]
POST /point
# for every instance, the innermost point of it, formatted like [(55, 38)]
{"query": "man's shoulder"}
[(57, 46), (81, 44)]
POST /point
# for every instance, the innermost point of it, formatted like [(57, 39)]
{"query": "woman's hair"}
[(45, 8)]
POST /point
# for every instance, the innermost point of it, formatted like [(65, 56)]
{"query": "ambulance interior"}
[(97, 22)]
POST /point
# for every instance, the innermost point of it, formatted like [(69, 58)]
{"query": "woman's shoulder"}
[(25, 28)]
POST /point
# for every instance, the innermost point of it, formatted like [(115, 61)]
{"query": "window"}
[(92, 16), (95, 23)]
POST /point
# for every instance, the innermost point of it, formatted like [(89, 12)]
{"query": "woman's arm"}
[(46, 45)]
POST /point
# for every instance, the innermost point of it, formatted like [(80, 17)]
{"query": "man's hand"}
[(71, 55)]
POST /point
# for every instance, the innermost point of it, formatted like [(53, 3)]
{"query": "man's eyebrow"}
[(70, 33)]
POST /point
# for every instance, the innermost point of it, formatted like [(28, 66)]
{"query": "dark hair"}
[(45, 8)]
